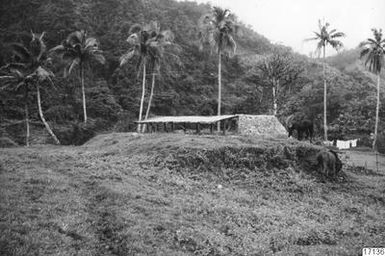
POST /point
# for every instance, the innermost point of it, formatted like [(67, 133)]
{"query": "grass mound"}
[(169, 194)]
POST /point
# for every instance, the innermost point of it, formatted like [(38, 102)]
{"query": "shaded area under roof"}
[(187, 119)]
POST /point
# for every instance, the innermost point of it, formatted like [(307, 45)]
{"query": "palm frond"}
[(126, 57), (91, 42), (70, 67), (99, 58), (21, 51), (133, 39), (336, 44), (337, 34), (59, 49), (311, 39), (75, 38), (37, 45), (364, 52)]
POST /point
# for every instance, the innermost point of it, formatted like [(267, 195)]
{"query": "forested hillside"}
[(186, 85)]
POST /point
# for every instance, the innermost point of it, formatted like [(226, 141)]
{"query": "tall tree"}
[(29, 68), (279, 70), (374, 50), (326, 37), (80, 50), (147, 43), (217, 29), (160, 40)]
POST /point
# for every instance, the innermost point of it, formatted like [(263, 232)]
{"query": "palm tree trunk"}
[(274, 102), (26, 111), (142, 98), (325, 94), (377, 113), (83, 93), (42, 117), (150, 100), (219, 87)]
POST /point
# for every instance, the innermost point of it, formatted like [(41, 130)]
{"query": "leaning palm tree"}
[(147, 43), (374, 49), (79, 50), (217, 29), (29, 68), (326, 37)]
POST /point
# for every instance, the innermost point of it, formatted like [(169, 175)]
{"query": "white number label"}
[(373, 251)]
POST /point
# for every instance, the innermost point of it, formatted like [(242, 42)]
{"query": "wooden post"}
[(198, 128), (172, 127), (165, 127), (224, 127), (211, 128)]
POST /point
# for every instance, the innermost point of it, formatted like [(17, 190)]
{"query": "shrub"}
[(381, 143), (76, 133)]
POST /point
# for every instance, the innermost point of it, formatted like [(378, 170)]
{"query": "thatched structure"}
[(265, 125)]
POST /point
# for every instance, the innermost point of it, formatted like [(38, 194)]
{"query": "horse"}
[(303, 126), (329, 162)]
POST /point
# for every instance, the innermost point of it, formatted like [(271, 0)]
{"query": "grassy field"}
[(171, 194)]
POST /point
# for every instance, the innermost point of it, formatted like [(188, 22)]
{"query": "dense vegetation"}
[(184, 87)]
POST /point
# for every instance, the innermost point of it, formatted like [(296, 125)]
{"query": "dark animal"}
[(329, 162), (303, 126)]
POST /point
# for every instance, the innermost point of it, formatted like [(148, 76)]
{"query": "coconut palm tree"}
[(374, 50), (79, 50), (326, 37), (160, 40), (29, 68), (147, 43), (217, 29)]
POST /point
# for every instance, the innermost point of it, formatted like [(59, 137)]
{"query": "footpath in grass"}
[(127, 194)]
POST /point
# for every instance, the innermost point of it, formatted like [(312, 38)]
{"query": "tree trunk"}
[(325, 95), (142, 98), (219, 87), (43, 119), (83, 93), (150, 100), (274, 101), (26, 110), (377, 113)]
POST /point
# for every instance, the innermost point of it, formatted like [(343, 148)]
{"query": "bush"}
[(76, 133), (381, 143)]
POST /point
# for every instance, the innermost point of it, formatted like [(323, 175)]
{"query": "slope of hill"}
[(184, 87), (126, 194)]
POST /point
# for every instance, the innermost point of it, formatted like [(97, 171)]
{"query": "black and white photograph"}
[(192, 127)]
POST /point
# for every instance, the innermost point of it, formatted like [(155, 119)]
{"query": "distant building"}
[(258, 125)]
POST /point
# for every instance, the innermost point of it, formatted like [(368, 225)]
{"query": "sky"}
[(289, 22)]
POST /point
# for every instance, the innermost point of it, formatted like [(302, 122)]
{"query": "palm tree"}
[(147, 43), (29, 68), (157, 45), (326, 37), (217, 29), (374, 49), (79, 49)]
